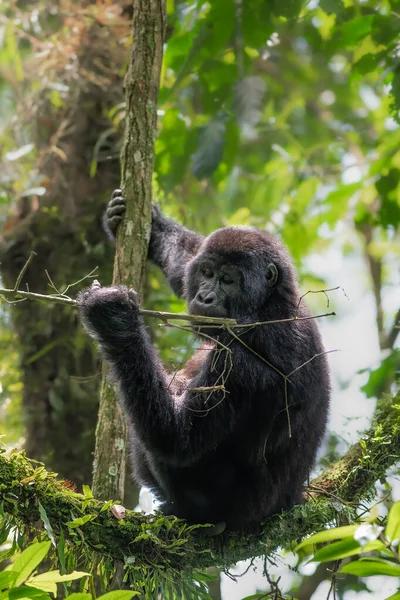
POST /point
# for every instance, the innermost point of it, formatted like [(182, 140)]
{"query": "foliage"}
[(160, 552), (10, 386), (286, 124), (281, 115), (85, 534), (277, 120), (21, 580), (374, 547)]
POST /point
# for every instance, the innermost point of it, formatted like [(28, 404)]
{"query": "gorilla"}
[(231, 438)]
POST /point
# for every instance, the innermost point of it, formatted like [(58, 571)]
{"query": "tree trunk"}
[(137, 161), (59, 364)]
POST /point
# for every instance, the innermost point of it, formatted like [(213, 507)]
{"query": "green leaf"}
[(6, 578), (379, 377), (61, 552), (204, 577), (47, 582), (30, 558), (388, 188), (107, 505), (119, 595), (366, 567), (354, 30), (47, 524), (80, 521), (25, 592), (341, 549), (393, 523), (367, 63), (336, 203), (11, 44), (395, 596), (377, 545), (80, 596), (332, 6), (328, 535), (241, 217), (395, 93), (87, 492)]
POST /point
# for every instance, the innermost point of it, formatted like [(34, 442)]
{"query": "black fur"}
[(242, 451)]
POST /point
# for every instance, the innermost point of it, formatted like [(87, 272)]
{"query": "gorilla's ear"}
[(272, 274)]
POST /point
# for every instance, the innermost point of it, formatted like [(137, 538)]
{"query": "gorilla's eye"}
[(207, 272), (226, 278)]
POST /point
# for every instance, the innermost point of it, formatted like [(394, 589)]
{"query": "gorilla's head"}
[(238, 272)]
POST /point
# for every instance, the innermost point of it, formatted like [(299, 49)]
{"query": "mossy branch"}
[(168, 542)]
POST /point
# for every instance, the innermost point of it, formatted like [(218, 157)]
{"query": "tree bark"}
[(137, 161)]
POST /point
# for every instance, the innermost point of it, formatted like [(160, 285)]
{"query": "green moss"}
[(166, 545)]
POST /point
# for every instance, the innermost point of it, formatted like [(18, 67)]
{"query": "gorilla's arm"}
[(171, 245), (175, 429)]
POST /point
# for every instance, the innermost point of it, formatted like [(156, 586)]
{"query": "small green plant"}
[(20, 579), (358, 540)]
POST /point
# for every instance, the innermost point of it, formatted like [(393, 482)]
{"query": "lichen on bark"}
[(137, 162)]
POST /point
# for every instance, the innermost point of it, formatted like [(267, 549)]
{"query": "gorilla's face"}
[(232, 275), (216, 288)]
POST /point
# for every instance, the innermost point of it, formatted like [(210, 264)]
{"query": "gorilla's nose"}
[(208, 299)]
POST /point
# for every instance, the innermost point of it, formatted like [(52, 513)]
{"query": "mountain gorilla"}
[(231, 438)]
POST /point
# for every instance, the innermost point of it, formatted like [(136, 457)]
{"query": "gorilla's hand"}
[(109, 313), (115, 211)]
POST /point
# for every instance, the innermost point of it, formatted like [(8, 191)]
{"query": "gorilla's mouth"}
[(202, 310)]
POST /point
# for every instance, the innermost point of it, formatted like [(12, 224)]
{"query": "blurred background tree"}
[(280, 115)]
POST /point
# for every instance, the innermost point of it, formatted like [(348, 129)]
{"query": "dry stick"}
[(23, 270), (17, 295), (9, 294), (338, 287)]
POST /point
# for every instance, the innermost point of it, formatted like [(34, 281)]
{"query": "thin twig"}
[(338, 287), (52, 284), (90, 275), (10, 294), (332, 588), (23, 270), (310, 359), (288, 320), (17, 295)]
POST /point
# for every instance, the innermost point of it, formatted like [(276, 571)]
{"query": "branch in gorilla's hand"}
[(14, 295), (11, 295), (60, 297)]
